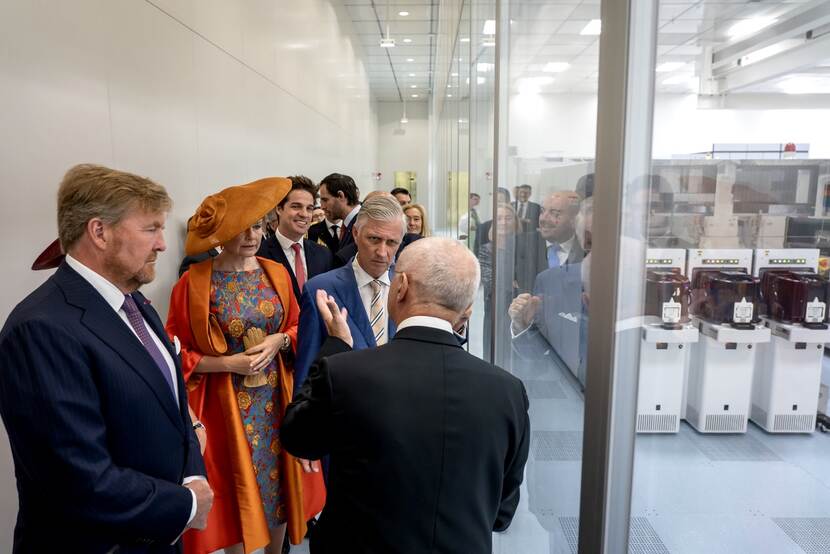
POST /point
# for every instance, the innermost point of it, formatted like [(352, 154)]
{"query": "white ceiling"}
[(549, 31)]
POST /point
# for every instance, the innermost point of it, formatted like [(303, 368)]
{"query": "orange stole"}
[(237, 514)]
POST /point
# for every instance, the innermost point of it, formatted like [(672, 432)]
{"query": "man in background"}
[(91, 390), (340, 199), (443, 472), (402, 195), (302, 258), (528, 212), (469, 223)]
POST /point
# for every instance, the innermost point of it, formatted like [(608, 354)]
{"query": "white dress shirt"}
[(364, 287), (338, 222), (115, 298), (286, 245), (564, 249), (426, 321), (348, 219)]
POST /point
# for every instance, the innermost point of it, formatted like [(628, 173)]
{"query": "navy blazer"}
[(320, 233), (342, 285), (100, 444), (318, 259)]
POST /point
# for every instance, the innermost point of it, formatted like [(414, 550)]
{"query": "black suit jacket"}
[(318, 259), (427, 443), (532, 214), (320, 233), (100, 444), (532, 258)]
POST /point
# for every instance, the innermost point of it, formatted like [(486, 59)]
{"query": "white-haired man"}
[(427, 443)]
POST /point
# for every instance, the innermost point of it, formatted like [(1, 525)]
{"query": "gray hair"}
[(381, 208), (442, 272)]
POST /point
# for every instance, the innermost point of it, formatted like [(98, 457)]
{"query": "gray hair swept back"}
[(381, 208)]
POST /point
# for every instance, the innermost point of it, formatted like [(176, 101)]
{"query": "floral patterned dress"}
[(241, 300)]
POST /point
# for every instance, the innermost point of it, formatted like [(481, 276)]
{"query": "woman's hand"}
[(240, 363), (262, 354)]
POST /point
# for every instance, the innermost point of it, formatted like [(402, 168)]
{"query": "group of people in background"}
[(274, 390)]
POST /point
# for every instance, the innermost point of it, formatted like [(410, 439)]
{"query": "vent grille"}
[(725, 423), (812, 534), (657, 423), (642, 538), (793, 423)]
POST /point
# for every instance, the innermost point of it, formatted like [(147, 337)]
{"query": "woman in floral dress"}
[(236, 319)]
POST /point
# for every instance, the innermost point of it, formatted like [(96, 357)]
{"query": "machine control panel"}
[(740, 259), (666, 258), (785, 258)]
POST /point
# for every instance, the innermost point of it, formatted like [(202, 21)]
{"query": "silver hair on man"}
[(381, 208), (442, 272)]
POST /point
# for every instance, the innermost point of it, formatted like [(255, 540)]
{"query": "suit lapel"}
[(347, 290), (105, 323)]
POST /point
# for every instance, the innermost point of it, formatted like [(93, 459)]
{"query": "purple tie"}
[(137, 323)]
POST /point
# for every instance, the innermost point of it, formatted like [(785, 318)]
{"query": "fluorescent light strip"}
[(594, 27)]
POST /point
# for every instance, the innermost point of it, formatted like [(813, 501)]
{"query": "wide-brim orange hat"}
[(224, 215)]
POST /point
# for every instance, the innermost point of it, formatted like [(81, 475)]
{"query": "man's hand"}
[(334, 317), (309, 466), (522, 311), (204, 501)]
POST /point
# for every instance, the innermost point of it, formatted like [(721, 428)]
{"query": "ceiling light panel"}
[(592, 28)]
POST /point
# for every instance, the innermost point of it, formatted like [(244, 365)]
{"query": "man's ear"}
[(403, 289), (97, 232)]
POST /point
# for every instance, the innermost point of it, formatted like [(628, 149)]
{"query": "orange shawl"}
[(237, 514)]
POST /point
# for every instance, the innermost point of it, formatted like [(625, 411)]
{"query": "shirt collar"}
[(364, 278), (329, 223), (566, 246), (352, 214), (286, 242), (425, 321), (112, 294)]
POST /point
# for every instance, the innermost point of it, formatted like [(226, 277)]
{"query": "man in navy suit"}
[(361, 286), (302, 258), (340, 199), (91, 389)]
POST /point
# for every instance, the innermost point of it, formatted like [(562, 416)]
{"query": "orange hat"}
[(224, 215), (49, 258)]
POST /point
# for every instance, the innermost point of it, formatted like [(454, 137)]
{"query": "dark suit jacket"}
[(346, 237), (343, 256), (320, 233), (100, 444), (427, 445), (482, 236), (318, 259), (342, 285), (533, 212), (532, 258)]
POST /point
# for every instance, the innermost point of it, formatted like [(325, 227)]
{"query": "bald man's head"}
[(442, 277), (556, 221)]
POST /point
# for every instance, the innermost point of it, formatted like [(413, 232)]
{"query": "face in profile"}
[(403, 198), (335, 207), (414, 221), (246, 243), (133, 247), (377, 243)]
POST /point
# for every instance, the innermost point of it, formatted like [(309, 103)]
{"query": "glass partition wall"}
[(665, 172)]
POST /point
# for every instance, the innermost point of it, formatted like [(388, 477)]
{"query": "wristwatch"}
[(286, 342), (199, 425)]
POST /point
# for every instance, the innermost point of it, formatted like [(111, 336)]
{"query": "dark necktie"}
[(137, 323), (335, 231), (299, 270)]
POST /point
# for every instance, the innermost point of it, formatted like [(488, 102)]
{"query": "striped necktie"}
[(377, 313)]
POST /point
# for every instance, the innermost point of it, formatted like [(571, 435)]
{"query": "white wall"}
[(566, 123), (403, 152), (196, 94)]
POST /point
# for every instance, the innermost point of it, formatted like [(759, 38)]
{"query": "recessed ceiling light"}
[(413, 86), (749, 26), (407, 40), (556, 67), (410, 59), (465, 39), (489, 27), (403, 14), (669, 66), (454, 74), (414, 95), (449, 96), (387, 43), (594, 27), (411, 74)]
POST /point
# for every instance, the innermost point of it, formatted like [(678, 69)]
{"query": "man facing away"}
[(91, 389), (287, 246), (427, 442), (361, 286)]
